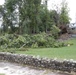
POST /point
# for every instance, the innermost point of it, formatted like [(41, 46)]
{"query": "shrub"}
[(34, 45), (59, 44), (39, 39), (11, 50), (17, 42), (50, 41), (3, 40), (34, 41), (55, 30)]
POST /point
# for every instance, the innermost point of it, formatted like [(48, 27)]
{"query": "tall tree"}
[(4, 16), (64, 16), (31, 16), (54, 15)]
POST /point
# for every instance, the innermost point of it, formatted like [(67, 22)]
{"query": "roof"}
[(72, 25)]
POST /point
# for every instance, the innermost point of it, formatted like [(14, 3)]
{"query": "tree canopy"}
[(31, 16)]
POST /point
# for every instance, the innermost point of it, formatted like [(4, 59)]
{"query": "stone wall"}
[(68, 66)]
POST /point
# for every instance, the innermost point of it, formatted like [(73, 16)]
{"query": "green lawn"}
[(2, 74), (68, 52)]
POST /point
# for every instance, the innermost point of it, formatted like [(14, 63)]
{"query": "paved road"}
[(15, 69)]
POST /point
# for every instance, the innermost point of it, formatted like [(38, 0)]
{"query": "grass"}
[(68, 52), (2, 74)]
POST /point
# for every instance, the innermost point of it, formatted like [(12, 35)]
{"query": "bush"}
[(39, 39), (50, 41), (55, 30), (34, 41), (11, 50), (34, 45), (59, 44), (3, 40), (17, 42)]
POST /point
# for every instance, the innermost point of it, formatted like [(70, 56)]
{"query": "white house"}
[(71, 28), (0, 22), (72, 25)]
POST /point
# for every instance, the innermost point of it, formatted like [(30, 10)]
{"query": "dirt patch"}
[(65, 36)]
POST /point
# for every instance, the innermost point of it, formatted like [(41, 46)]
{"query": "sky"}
[(1, 2), (71, 5)]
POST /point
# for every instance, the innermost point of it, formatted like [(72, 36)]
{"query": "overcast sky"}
[(71, 5), (1, 2)]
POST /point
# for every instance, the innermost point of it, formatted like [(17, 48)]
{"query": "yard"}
[(68, 52), (2, 74)]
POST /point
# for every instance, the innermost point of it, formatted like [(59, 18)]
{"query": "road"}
[(16, 69)]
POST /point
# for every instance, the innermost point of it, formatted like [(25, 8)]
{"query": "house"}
[(1, 22), (71, 28)]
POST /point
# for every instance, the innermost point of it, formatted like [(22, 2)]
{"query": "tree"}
[(54, 17), (3, 14), (64, 16), (30, 16), (11, 7)]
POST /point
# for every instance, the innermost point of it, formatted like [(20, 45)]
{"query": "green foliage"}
[(54, 17), (50, 41), (17, 42), (64, 16), (59, 53), (54, 31), (3, 40), (31, 16), (34, 41), (40, 39), (59, 44), (34, 45), (2, 74), (10, 50)]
